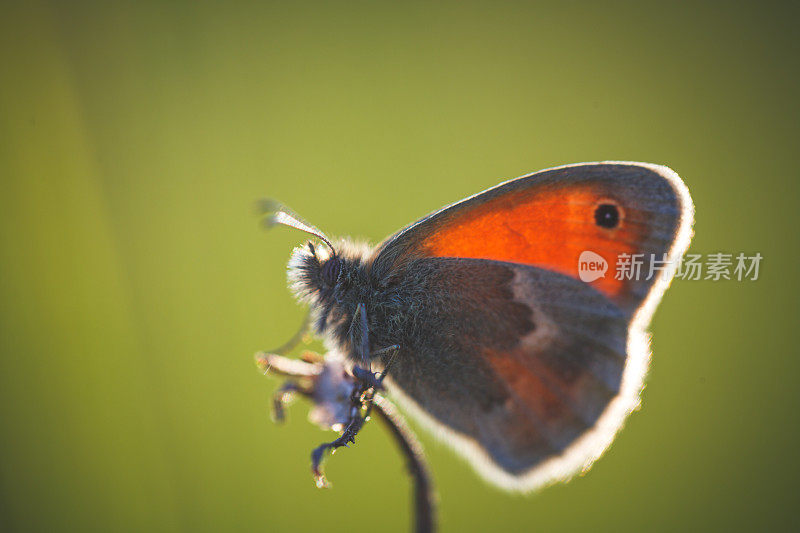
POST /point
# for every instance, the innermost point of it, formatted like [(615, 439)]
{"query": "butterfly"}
[(500, 348)]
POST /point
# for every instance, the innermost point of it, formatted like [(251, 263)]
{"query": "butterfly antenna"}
[(395, 349), (364, 337), (275, 213)]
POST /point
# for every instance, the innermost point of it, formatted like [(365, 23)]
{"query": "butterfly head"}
[(332, 281), (315, 272)]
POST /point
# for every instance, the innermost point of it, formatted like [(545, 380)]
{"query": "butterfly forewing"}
[(549, 218)]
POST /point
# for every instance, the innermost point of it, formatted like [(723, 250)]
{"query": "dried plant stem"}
[(424, 505)]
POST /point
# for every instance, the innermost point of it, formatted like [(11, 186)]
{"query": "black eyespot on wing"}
[(606, 216)]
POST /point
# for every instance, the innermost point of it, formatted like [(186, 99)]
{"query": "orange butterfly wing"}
[(549, 218), (548, 229)]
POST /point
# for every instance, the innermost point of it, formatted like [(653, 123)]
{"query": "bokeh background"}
[(136, 282)]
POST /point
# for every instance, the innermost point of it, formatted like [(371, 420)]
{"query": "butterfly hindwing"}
[(534, 362)]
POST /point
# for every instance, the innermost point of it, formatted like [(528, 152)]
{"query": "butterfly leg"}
[(394, 349), (301, 374), (360, 318), (375, 379), (283, 397), (296, 339), (365, 373)]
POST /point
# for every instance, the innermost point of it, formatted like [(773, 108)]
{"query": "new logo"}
[(591, 266)]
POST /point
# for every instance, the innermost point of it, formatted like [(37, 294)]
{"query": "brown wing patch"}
[(535, 400)]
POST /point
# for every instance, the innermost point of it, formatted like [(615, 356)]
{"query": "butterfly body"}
[(503, 351)]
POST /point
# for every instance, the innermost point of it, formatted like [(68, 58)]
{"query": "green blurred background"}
[(136, 283)]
